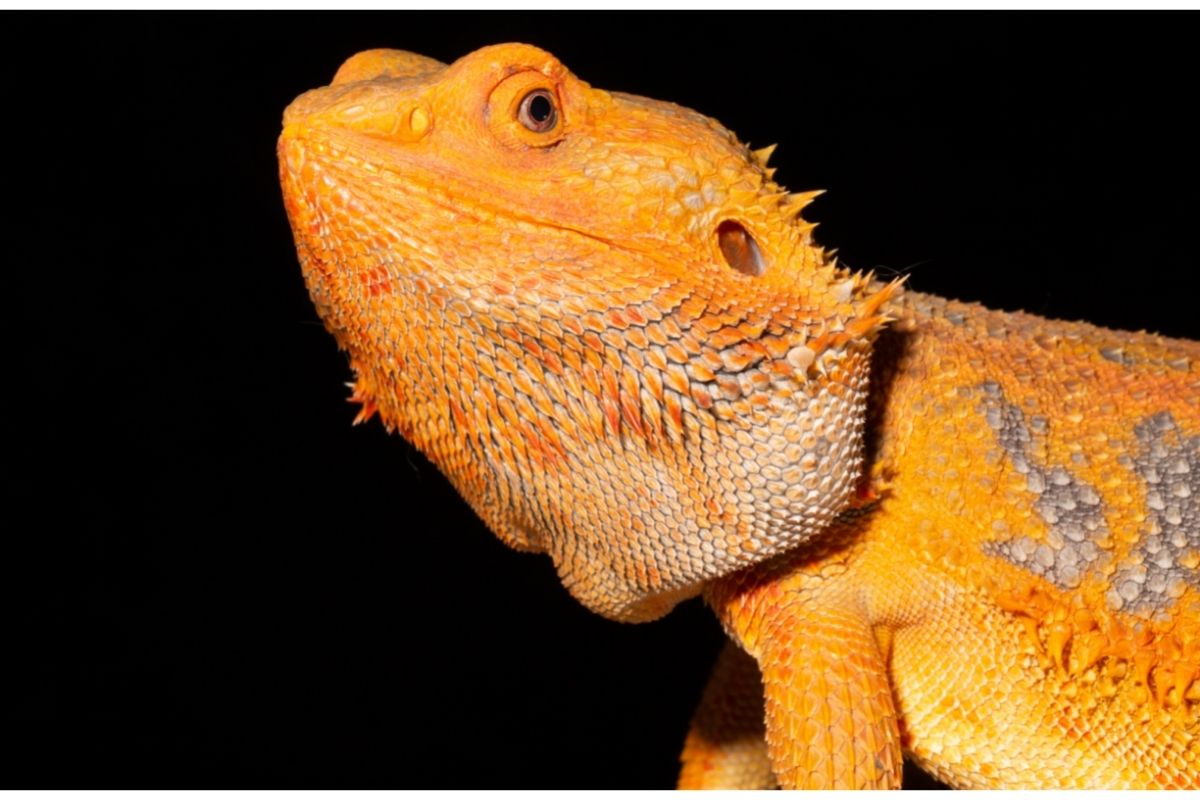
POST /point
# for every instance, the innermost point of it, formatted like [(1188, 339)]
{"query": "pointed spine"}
[(763, 155)]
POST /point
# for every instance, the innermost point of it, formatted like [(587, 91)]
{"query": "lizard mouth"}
[(321, 162)]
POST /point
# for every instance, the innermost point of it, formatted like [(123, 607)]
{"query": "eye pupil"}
[(540, 108), (537, 111)]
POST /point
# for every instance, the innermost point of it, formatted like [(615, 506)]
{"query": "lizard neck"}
[(649, 440)]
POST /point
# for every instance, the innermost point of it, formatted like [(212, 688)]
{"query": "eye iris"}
[(537, 111)]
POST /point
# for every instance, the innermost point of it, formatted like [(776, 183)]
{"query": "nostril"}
[(739, 248)]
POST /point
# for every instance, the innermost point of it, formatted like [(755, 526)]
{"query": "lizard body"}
[(1011, 511), (970, 535)]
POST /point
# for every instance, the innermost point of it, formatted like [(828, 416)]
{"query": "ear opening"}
[(739, 248)]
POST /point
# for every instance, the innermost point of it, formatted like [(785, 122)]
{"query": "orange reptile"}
[(931, 529)]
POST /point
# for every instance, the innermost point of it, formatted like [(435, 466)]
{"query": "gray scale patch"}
[(1071, 508), (1169, 464)]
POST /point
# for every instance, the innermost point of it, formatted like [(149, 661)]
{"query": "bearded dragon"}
[(929, 528)]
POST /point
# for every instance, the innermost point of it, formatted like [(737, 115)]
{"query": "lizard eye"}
[(525, 111), (537, 111)]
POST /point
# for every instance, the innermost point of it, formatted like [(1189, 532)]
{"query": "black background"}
[(217, 582)]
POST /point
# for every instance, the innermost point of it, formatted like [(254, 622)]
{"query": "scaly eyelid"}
[(503, 115)]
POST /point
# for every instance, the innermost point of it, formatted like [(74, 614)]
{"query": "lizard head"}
[(596, 313)]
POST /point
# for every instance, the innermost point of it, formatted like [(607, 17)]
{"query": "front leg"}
[(831, 721), (726, 746)]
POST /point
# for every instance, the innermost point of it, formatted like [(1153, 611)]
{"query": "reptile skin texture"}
[(931, 530)]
